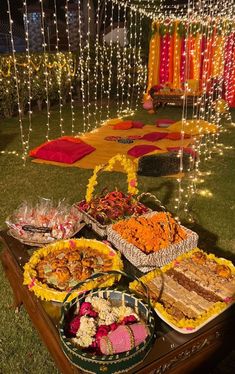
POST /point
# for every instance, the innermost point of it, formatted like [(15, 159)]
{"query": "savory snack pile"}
[(53, 270), (66, 267), (112, 207), (151, 233)]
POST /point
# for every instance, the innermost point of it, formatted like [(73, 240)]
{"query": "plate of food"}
[(151, 240), (192, 290), (53, 270), (108, 208), (44, 223)]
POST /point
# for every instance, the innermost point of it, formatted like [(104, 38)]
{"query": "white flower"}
[(99, 304), (87, 325), (124, 311), (86, 332), (106, 318), (83, 340)]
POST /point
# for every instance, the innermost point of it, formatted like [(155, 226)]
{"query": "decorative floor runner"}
[(106, 146)]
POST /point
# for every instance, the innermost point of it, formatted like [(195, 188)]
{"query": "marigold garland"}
[(188, 324), (47, 293), (127, 165)]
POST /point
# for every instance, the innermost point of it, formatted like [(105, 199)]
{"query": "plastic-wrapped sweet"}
[(44, 222)]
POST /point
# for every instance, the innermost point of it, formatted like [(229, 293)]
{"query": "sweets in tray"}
[(191, 290), (53, 270), (109, 208), (44, 222), (151, 240)]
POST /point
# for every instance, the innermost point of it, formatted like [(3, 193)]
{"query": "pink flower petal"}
[(228, 299), (32, 284), (133, 182), (72, 244)]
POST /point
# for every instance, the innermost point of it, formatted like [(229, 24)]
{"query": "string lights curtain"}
[(107, 69)]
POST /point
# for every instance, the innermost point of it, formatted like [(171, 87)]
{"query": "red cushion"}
[(164, 122), (176, 136), (125, 125), (137, 124), (185, 150), (154, 136), (140, 150), (62, 150)]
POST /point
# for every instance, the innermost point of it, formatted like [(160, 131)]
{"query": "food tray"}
[(51, 293), (191, 330), (144, 262), (186, 325), (101, 230), (41, 243)]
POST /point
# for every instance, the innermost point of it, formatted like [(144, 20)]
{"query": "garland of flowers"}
[(127, 165), (45, 292), (195, 28), (188, 324), (7, 62)]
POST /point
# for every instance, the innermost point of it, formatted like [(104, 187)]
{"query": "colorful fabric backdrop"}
[(206, 53)]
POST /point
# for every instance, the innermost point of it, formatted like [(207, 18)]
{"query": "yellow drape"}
[(150, 63), (177, 56), (156, 61), (197, 57), (217, 64)]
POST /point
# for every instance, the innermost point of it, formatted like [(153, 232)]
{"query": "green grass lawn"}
[(21, 350)]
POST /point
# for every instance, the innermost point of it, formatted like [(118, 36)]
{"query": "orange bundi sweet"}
[(151, 234)]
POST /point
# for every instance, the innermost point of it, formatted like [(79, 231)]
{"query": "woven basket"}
[(129, 168), (101, 230), (146, 263), (44, 242), (110, 364)]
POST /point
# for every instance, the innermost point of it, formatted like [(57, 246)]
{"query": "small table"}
[(172, 352), (161, 99)]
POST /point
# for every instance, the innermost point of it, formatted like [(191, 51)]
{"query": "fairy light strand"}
[(102, 63), (67, 15), (96, 63), (139, 64), (124, 60), (130, 62), (118, 59), (110, 62), (20, 114), (44, 45), (87, 64), (81, 64), (29, 70), (59, 71)]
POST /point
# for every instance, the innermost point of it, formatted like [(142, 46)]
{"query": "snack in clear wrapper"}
[(44, 222)]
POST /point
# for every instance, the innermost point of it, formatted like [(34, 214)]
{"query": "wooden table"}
[(164, 99), (172, 352)]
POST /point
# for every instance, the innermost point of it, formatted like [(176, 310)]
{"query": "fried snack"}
[(199, 258), (223, 271), (63, 274), (62, 267)]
